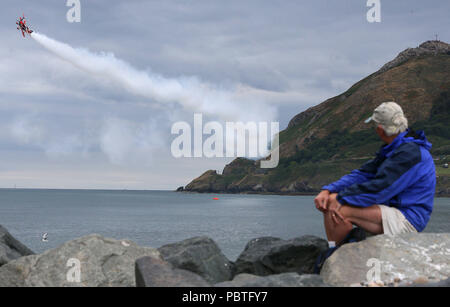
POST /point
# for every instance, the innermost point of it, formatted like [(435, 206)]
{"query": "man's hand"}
[(333, 207), (321, 200)]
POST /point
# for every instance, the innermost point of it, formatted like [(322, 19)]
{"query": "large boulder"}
[(250, 260), (101, 262), (10, 248), (200, 255), (277, 280), (154, 272), (269, 255), (407, 257)]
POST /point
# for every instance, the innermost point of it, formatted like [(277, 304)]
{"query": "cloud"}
[(25, 131), (190, 92), (37, 132), (125, 142)]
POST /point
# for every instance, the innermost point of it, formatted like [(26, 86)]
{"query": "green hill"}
[(328, 140)]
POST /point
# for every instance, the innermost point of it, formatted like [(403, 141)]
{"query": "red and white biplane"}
[(22, 26)]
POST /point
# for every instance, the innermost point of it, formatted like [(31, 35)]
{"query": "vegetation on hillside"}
[(437, 127)]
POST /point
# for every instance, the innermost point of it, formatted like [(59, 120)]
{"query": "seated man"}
[(391, 194)]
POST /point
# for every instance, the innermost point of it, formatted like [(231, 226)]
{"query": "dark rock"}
[(269, 255), (153, 272), (278, 280), (10, 248), (200, 255), (258, 188), (249, 261), (298, 186), (180, 189)]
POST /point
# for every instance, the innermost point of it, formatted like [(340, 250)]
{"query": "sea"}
[(156, 218)]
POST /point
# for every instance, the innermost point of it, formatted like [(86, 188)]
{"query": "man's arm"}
[(363, 174), (395, 174)]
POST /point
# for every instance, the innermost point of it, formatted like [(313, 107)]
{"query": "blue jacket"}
[(402, 175)]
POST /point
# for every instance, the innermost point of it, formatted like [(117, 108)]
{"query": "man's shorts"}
[(394, 222)]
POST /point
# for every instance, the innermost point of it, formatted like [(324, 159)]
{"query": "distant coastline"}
[(274, 193), (442, 195), (85, 189)]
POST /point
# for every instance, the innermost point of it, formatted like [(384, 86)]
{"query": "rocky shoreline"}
[(181, 189), (406, 260), (439, 194)]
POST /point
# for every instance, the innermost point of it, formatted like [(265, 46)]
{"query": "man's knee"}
[(345, 211)]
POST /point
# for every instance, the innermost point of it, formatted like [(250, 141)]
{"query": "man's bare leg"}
[(368, 218), (336, 232)]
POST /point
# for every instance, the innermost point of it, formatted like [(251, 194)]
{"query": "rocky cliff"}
[(328, 140)]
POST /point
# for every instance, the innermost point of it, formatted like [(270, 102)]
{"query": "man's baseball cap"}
[(386, 114)]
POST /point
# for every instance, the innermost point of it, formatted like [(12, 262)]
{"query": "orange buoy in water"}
[(216, 198)]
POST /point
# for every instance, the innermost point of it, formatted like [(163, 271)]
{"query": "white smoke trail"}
[(189, 92)]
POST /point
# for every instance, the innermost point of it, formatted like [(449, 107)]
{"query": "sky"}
[(62, 126)]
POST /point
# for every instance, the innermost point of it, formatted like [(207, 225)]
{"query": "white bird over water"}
[(45, 237)]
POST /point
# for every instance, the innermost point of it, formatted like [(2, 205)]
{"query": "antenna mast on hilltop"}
[(436, 45)]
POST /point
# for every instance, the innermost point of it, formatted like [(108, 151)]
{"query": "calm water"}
[(155, 218)]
